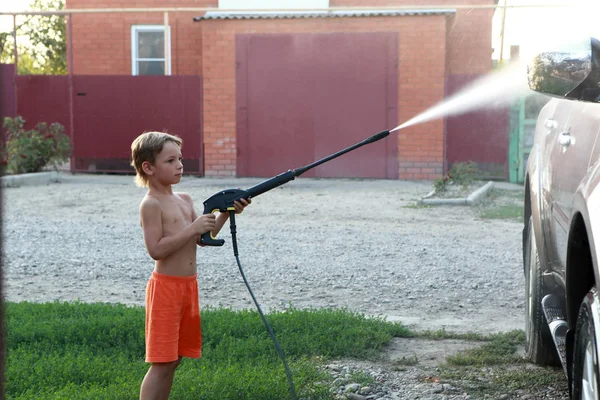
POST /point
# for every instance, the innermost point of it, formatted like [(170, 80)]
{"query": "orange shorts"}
[(172, 318)]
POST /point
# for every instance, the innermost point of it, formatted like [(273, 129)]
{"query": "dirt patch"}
[(424, 352), (416, 368)]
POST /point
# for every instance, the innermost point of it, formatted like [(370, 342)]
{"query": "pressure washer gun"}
[(223, 201)]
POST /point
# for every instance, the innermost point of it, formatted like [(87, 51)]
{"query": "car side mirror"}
[(563, 71)]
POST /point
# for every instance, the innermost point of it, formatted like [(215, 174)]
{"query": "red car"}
[(562, 221)]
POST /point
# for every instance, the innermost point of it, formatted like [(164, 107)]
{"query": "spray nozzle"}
[(377, 136)]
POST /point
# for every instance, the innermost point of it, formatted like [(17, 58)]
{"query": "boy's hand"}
[(204, 223), (240, 205)]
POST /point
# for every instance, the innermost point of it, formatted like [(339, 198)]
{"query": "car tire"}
[(585, 354), (539, 346)]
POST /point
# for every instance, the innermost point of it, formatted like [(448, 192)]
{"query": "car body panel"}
[(580, 123), (559, 173), (587, 203), (563, 178)]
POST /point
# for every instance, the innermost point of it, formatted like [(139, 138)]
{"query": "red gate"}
[(103, 114), (301, 97)]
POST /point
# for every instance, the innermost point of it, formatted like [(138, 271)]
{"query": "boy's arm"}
[(158, 246), (219, 222)]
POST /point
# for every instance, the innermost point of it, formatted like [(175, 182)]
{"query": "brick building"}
[(286, 87)]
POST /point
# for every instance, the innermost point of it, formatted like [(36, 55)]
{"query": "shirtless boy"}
[(171, 231)]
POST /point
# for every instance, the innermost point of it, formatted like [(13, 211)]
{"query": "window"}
[(148, 50)]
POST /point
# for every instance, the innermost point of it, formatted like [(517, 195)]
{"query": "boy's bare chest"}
[(176, 216)]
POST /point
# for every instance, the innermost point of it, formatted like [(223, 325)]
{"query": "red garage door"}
[(301, 97)]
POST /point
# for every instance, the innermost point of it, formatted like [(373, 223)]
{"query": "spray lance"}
[(223, 202)]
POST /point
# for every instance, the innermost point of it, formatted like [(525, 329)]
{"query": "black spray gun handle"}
[(223, 201)]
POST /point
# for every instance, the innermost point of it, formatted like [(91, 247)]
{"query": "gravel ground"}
[(357, 244)]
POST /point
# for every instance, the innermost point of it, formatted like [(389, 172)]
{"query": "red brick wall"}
[(422, 70), (431, 49), (469, 32), (102, 42), (421, 148)]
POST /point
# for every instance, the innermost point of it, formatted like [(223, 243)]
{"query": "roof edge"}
[(215, 15)]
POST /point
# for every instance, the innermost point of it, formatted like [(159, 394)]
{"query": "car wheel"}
[(539, 346), (585, 356)]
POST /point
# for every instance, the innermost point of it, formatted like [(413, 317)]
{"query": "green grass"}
[(494, 381), (498, 349), (502, 204), (442, 334), (96, 351), (503, 212), (496, 368), (493, 368)]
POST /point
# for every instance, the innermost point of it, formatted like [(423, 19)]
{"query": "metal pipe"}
[(15, 51), (167, 41), (16, 73), (71, 90), (70, 44), (502, 32), (214, 9)]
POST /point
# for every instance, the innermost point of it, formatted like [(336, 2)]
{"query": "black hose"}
[(269, 330)]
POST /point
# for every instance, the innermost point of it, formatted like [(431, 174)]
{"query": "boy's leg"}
[(190, 331), (158, 381), (163, 310)]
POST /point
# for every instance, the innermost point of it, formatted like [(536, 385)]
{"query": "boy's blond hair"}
[(145, 148)]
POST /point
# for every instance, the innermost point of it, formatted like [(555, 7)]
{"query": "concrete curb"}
[(480, 193), (38, 178), (470, 200)]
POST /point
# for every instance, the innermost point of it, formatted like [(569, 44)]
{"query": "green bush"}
[(439, 185), (462, 174), (31, 150)]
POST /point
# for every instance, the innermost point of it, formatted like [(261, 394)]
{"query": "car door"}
[(572, 133)]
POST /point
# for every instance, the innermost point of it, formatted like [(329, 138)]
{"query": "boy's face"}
[(167, 168)]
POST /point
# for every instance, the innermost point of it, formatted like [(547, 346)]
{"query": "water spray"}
[(487, 91)]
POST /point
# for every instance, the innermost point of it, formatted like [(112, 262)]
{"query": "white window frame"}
[(135, 29)]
